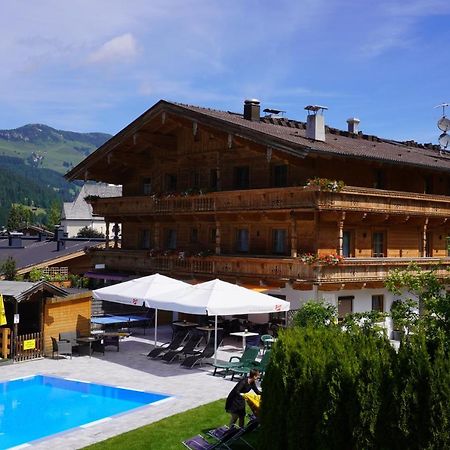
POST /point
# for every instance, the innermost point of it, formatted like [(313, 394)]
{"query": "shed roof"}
[(21, 290)]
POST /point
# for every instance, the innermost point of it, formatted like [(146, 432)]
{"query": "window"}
[(429, 245), (146, 186), (241, 177), (213, 179), (195, 180), (347, 244), (279, 176), (378, 303), (345, 306), (171, 239), (146, 239), (171, 182), (379, 179), (194, 235), (428, 185), (279, 241), (242, 240), (378, 242)]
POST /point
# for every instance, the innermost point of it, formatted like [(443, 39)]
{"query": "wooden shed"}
[(37, 311)]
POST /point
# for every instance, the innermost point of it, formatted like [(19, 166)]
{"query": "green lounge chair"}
[(261, 366), (247, 358)]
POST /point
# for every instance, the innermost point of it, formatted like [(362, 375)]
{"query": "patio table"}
[(208, 330), (185, 324), (88, 341), (244, 335)]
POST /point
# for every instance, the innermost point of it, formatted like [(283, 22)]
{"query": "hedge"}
[(329, 389)]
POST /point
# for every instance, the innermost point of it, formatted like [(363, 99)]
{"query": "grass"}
[(168, 433)]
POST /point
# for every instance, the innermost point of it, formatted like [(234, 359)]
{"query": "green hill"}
[(42, 146), (33, 159)]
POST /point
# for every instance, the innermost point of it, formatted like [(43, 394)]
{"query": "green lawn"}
[(167, 434)]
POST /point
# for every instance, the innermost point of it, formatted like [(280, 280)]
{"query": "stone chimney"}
[(353, 124), (315, 123), (252, 110)]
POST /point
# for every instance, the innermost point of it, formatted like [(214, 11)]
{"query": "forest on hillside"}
[(30, 186)]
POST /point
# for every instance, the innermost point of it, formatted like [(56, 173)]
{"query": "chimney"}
[(60, 245), (252, 110), (353, 124), (59, 233), (15, 239), (42, 236), (315, 123)]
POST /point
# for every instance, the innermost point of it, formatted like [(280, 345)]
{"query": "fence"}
[(28, 346), (5, 342)]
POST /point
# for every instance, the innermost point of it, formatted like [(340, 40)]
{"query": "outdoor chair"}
[(111, 340), (253, 341), (207, 352), (267, 340), (226, 437), (61, 348), (189, 347), (176, 343), (260, 365), (247, 358), (198, 442), (71, 337)]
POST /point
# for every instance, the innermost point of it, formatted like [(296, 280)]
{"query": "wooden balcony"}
[(293, 198), (351, 270)]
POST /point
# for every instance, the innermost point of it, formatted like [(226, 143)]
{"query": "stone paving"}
[(129, 368)]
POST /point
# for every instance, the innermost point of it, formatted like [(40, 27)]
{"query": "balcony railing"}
[(348, 199), (350, 270)]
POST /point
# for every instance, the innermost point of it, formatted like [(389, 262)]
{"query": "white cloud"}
[(119, 49)]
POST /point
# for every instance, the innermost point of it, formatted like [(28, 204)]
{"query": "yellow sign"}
[(30, 344), (2, 311)]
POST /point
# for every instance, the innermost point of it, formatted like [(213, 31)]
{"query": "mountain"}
[(33, 160), (43, 146)]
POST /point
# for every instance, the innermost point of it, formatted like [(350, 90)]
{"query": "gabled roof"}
[(21, 290), (79, 209), (281, 134)]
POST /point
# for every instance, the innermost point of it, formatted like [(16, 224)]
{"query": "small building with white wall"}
[(78, 214)]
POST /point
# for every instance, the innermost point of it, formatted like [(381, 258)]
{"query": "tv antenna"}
[(444, 125)]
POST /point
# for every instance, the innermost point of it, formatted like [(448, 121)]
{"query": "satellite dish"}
[(444, 124), (444, 141)]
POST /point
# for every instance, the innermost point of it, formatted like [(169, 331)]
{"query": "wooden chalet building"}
[(209, 193)]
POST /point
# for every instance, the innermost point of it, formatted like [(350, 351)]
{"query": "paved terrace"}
[(129, 368)]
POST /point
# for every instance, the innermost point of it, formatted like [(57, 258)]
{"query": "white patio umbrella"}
[(218, 297), (141, 292)]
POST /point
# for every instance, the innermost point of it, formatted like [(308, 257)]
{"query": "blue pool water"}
[(39, 406)]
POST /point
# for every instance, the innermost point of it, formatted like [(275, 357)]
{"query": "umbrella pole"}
[(215, 340), (156, 325)]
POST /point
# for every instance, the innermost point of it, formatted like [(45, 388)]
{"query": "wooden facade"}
[(206, 194), (72, 313)]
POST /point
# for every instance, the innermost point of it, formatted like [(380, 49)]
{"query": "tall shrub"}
[(323, 390)]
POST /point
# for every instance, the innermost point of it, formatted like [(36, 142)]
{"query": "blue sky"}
[(95, 65)]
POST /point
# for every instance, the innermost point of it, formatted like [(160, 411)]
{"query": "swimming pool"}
[(39, 406)]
